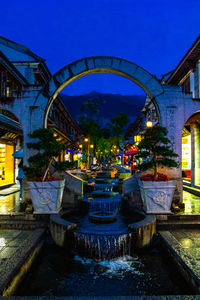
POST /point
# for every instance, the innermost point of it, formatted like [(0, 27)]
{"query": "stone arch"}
[(102, 64)]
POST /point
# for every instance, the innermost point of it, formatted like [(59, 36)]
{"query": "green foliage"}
[(103, 138), (91, 106), (156, 150), (118, 123), (83, 160), (47, 148)]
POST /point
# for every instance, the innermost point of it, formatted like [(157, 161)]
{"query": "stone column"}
[(175, 135)]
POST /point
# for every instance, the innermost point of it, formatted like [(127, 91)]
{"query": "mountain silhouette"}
[(114, 104)]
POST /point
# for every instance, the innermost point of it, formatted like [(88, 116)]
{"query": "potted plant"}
[(156, 189), (46, 190), (83, 163)]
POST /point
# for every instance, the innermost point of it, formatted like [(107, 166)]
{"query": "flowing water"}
[(56, 273), (98, 263)]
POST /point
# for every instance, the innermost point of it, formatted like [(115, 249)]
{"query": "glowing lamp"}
[(86, 140), (137, 138), (149, 123), (92, 146), (80, 146)]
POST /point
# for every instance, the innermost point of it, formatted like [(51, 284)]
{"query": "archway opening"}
[(191, 151), (112, 65), (120, 95)]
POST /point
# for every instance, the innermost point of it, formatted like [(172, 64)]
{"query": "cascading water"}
[(102, 234)]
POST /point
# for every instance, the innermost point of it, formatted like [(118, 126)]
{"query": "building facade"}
[(186, 76), (22, 70)]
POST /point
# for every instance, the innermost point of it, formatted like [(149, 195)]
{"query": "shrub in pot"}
[(156, 189), (46, 190)]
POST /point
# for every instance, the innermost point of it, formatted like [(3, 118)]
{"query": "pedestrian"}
[(20, 177), (129, 161), (133, 167)]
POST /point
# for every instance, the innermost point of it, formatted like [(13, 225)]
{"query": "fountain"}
[(103, 232)]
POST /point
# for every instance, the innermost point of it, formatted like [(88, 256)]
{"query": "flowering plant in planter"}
[(150, 177), (156, 189), (46, 190)]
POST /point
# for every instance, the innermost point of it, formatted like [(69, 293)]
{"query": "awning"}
[(132, 152), (18, 154)]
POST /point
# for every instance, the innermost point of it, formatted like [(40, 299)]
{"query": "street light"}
[(149, 123), (88, 151)]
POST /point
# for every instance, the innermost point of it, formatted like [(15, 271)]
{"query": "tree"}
[(91, 107), (155, 148), (47, 148), (118, 123), (103, 138)]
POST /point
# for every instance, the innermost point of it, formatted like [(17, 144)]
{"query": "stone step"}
[(166, 225), (22, 224), (17, 216), (178, 218), (191, 190)]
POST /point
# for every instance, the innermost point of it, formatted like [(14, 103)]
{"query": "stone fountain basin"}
[(103, 175), (141, 230), (102, 194), (103, 180), (102, 217)]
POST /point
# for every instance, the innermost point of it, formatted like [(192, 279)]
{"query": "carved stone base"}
[(46, 196), (157, 196)]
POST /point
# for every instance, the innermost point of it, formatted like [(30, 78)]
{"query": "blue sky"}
[(154, 34)]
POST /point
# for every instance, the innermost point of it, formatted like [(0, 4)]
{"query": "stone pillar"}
[(192, 89), (175, 136), (195, 152)]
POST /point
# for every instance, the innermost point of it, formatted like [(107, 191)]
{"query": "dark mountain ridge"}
[(114, 104)]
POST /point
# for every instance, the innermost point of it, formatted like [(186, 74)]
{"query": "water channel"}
[(100, 261)]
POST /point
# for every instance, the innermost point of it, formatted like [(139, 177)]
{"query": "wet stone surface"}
[(148, 273), (15, 246), (187, 246), (192, 204), (9, 203)]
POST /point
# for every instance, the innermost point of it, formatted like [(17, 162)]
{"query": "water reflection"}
[(192, 204), (10, 203)]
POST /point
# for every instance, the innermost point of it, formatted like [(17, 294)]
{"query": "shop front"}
[(11, 139), (191, 151), (7, 166), (186, 157)]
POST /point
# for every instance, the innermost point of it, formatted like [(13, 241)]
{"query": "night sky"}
[(154, 34)]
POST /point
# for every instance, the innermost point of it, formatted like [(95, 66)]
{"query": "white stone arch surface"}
[(101, 64)]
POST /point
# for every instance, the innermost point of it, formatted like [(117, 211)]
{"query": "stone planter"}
[(157, 196), (46, 196)]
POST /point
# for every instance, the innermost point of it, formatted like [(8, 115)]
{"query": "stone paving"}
[(9, 200), (185, 246), (192, 204), (10, 204), (16, 246)]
